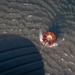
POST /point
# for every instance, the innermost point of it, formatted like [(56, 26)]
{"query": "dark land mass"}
[(27, 17)]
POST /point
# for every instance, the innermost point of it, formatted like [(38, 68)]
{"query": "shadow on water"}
[(19, 56), (56, 29), (56, 25), (72, 2)]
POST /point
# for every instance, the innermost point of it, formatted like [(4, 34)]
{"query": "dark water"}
[(27, 17)]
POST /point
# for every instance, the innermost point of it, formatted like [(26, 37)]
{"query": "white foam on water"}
[(4, 32), (63, 39), (66, 54), (33, 29), (69, 69), (20, 30), (27, 4), (11, 13), (29, 16), (14, 20), (62, 59), (72, 56), (54, 45), (71, 62)]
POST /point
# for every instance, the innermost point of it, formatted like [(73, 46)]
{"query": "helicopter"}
[(48, 39)]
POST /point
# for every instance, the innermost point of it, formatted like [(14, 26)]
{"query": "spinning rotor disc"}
[(49, 38)]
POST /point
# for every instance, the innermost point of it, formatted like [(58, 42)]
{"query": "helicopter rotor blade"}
[(40, 35)]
